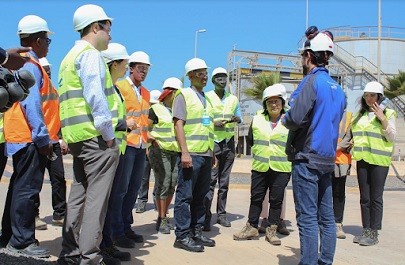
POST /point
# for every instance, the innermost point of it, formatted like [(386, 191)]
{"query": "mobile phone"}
[(382, 103)]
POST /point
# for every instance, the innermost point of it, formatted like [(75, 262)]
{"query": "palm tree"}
[(396, 85), (260, 82)]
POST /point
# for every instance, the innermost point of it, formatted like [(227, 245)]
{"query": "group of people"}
[(108, 124)]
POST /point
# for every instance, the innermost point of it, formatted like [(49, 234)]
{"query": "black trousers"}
[(18, 224), (371, 180), (339, 196), (225, 154), (3, 159), (273, 181)]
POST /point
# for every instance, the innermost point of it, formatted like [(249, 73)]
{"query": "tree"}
[(396, 85), (260, 82)]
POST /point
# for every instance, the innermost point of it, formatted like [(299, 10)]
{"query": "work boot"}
[(365, 233), (108, 259), (263, 225), (164, 226), (271, 235), (199, 238), (339, 231), (223, 221), (188, 244), (248, 232), (370, 240), (58, 222), (134, 236), (39, 224), (116, 253), (141, 207), (124, 242), (282, 228)]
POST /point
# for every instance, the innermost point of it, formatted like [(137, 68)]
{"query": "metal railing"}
[(367, 32)]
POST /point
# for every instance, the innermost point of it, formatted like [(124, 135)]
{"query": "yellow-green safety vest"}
[(76, 119), (269, 145), (121, 136), (223, 111), (163, 131), (199, 137), (369, 142), (2, 140)]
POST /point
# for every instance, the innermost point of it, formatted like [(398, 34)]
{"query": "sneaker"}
[(164, 227), (171, 226), (223, 221), (58, 222), (365, 233), (248, 232), (124, 242), (141, 207), (116, 253), (33, 250), (370, 240), (158, 223), (339, 231), (40, 224), (271, 235), (263, 225), (282, 228), (134, 236)]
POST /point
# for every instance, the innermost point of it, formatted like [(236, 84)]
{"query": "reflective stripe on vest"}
[(223, 111), (163, 131), (369, 142), (269, 145), (121, 136), (138, 110), (199, 138), (2, 140), (343, 157), (76, 118)]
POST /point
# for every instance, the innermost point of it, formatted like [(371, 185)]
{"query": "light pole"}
[(196, 39)]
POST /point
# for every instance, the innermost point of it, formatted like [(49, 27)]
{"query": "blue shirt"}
[(32, 110)]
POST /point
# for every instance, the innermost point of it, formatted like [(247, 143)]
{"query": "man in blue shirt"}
[(316, 109)]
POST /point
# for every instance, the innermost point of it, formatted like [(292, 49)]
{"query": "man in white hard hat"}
[(192, 117), (137, 101), (88, 129), (317, 107), (28, 138), (226, 115)]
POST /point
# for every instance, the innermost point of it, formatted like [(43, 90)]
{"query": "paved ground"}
[(157, 248)]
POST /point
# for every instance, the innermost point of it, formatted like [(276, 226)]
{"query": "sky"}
[(166, 29)]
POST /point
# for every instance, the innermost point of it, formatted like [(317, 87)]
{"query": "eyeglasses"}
[(104, 27), (273, 101), (142, 68), (371, 95), (48, 40)]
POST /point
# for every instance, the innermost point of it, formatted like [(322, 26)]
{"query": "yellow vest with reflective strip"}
[(121, 136), (223, 111), (369, 143), (2, 140), (163, 131), (269, 145), (199, 138), (76, 119)]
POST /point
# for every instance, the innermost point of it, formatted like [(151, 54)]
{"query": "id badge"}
[(205, 120)]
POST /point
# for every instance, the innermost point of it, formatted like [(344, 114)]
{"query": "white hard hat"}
[(139, 57), (115, 51), (154, 96), (87, 14), (321, 42), (194, 64), (172, 82), (374, 87), (32, 24), (219, 70), (44, 62), (276, 90)]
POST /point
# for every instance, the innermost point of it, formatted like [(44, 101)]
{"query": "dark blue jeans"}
[(314, 211), (193, 184), (123, 201)]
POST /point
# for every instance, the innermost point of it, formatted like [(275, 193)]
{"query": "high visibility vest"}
[(199, 137), (269, 145), (370, 144), (343, 157), (121, 136), (138, 110), (163, 131), (223, 111), (76, 119), (2, 140), (16, 127)]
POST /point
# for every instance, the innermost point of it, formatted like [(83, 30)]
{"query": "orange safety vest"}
[(138, 110), (16, 127), (343, 157)]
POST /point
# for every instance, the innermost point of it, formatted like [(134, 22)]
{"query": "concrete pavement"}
[(158, 248)]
